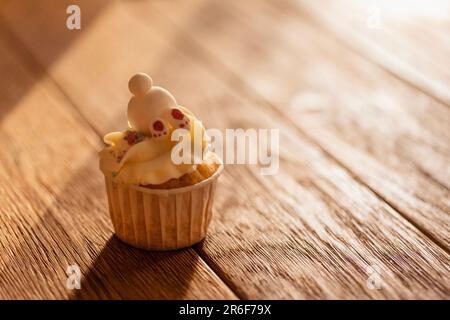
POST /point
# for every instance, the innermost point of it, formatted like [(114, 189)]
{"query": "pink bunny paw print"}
[(179, 119), (158, 128)]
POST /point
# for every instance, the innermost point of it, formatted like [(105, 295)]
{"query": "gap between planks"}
[(256, 97), (374, 53), (33, 66), (197, 64)]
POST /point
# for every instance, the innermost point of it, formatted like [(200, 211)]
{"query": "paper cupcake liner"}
[(157, 219)]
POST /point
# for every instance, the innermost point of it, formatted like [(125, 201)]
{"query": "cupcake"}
[(155, 201)]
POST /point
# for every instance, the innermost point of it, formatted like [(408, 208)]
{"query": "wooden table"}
[(360, 91)]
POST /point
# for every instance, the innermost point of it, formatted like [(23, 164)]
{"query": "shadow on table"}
[(75, 230), (35, 32), (124, 272)]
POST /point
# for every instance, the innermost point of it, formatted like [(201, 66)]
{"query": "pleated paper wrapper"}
[(157, 219)]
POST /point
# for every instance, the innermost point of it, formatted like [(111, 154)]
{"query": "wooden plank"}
[(53, 210), (311, 230), (408, 39), (391, 137)]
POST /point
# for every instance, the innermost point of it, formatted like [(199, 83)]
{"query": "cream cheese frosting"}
[(141, 155)]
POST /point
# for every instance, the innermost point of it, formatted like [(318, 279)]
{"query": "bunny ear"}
[(140, 84)]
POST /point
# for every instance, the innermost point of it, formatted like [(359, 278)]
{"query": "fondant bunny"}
[(153, 110)]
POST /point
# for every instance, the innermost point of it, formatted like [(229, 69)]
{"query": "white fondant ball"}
[(140, 84)]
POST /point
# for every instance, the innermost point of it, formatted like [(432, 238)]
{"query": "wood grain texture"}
[(54, 211), (410, 38), (391, 137), (312, 231)]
